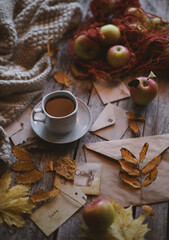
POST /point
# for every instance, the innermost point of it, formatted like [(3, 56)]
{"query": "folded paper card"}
[(119, 126), (111, 91), (108, 154)]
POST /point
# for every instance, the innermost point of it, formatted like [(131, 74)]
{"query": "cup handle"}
[(38, 119)]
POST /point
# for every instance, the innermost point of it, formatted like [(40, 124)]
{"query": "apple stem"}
[(145, 83)]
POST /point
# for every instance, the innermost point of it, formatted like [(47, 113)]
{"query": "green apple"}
[(108, 7), (143, 90), (86, 48), (118, 56), (138, 27), (99, 215), (138, 13), (111, 34)]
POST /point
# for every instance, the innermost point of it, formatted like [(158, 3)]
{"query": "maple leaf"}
[(124, 226), (13, 202)]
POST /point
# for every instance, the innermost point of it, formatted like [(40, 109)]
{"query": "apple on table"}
[(143, 90), (118, 56)]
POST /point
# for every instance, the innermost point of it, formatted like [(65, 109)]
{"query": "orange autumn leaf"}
[(128, 156), (148, 210), (62, 78), (53, 60), (43, 196), (65, 167), (135, 117), (19, 166), (130, 168), (29, 177), (51, 52), (150, 178), (130, 180), (143, 152), (151, 165), (133, 126), (21, 154), (49, 166)]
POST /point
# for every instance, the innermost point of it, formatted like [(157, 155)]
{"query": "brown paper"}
[(105, 119), (111, 185), (117, 130), (111, 91), (87, 177)]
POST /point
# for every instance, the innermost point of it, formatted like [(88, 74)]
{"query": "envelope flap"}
[(157, 145)]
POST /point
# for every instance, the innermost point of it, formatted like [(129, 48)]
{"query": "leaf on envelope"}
[(151, 165), (62, 78), (65, 167), (29, 177), (133, 126), (124, 227), (51, 52), (143, 152), (130, 168), (130, 180), (13, 202), (21, 154), (135, 117), (43, 196), (128, 156), (148, 210), (19, 166), (150, 178)]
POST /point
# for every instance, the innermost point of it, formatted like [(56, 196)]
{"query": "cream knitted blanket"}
[(25, 27)]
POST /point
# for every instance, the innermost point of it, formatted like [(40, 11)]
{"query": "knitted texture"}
[(25, 28)]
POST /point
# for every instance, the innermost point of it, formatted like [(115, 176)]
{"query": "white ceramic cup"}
[(57, 124)]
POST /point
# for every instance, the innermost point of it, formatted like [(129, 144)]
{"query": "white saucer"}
[(83, 124)]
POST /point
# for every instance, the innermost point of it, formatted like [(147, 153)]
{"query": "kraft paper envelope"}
[(105, 119), (111, 91), (111, 185), (115, 131)]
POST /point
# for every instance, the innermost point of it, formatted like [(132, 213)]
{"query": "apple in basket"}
[(138, 13), (99, 215), (108, 7), (86, 48), (143, 89), (111, 34), (118, 56)]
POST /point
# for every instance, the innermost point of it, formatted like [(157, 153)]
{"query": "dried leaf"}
[(128, 156), (65, 167), (62, 78), (49, 166), (130, 168), (133, 126), (135, 117), (43, 196), (148, 210), (14, 202), (51, 52), (151, 165), (132, 181), (150, 178), (29, 177), (53, 60), (124, 226), (143, 152), (19, 166), (21, 154)]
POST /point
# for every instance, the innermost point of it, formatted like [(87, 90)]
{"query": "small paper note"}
[(54, 213), (105, 119), (87, 177), (111, 91)]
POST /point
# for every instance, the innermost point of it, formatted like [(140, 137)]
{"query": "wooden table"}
[(157, 114)]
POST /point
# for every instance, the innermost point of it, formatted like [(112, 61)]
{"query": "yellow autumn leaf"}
[(124, 226), (14, 202), (62, 78)]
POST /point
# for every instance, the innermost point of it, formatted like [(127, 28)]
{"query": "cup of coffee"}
[(59, 111)]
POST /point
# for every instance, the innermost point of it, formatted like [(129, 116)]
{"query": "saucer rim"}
[(65, 142)]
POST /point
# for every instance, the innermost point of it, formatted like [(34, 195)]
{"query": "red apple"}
[(99, 215), (143, 90), (138, 13), (118, 56), (111, 34), (86, 48)]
